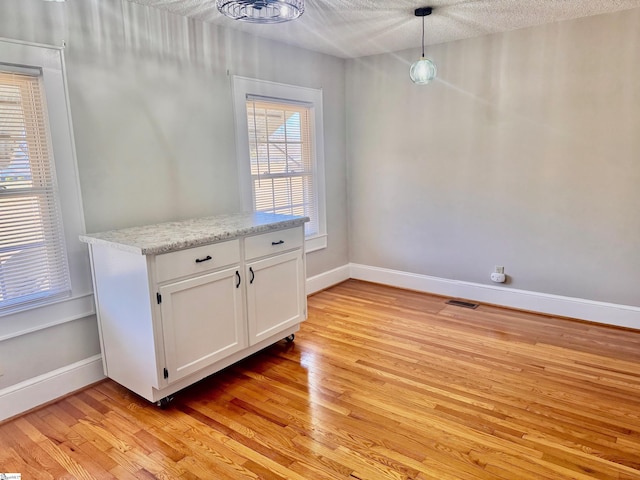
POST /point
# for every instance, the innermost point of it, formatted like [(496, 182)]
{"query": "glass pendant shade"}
[(423, 71), (261, 11)]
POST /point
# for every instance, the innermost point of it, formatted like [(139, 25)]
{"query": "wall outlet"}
[(498, 277), (499, 269)]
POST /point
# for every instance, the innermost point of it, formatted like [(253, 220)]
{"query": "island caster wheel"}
[(164, 402), (290, 338)]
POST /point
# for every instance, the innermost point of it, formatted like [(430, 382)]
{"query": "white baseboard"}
[(601, 312), (328, 279), (44, 388)]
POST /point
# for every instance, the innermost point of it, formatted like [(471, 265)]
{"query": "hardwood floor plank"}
[(381, 383)]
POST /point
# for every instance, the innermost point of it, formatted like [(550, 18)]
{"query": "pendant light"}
[(261, 11), (424, 70)]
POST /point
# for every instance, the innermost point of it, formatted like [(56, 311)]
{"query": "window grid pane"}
[(33, 262), (281, 160)]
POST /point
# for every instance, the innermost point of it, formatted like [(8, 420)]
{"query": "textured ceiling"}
[(355, 28)]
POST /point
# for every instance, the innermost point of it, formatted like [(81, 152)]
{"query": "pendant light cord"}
[(422, 37)]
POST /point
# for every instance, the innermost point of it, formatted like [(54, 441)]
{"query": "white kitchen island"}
[(179, 301)]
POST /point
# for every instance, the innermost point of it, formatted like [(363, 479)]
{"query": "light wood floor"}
[(380, 383)]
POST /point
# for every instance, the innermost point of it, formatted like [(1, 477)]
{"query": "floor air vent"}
[(462, 303)]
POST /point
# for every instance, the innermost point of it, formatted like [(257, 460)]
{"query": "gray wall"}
[(150, 97), (525, 153), (154, 121)]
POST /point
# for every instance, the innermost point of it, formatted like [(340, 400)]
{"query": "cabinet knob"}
[(205, 259), (277, 243)]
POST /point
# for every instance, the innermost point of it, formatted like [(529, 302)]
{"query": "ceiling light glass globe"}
[(261, 11), (423, 71)]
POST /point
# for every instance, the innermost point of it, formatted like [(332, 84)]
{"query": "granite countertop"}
[(171, 236)]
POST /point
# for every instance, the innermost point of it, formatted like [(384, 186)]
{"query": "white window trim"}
[(243, 86), (80, 304)]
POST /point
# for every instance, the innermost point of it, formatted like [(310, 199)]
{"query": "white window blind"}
[(282, 160), (33, 260)]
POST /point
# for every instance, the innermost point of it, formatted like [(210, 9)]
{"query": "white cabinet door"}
[(202, 321), (275, 294)]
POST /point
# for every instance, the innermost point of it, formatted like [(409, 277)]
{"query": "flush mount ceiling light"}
[(261, 11), (424, 70)]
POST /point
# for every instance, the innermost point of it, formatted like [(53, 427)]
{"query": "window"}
[(45, 278), (280, 152), (33, 264), (281, 159)]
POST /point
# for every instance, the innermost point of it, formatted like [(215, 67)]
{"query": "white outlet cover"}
[(498, 277)]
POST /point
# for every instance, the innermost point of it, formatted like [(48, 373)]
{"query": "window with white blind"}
[(281, 159), (280, 152), (45, 278), (33, 260)]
